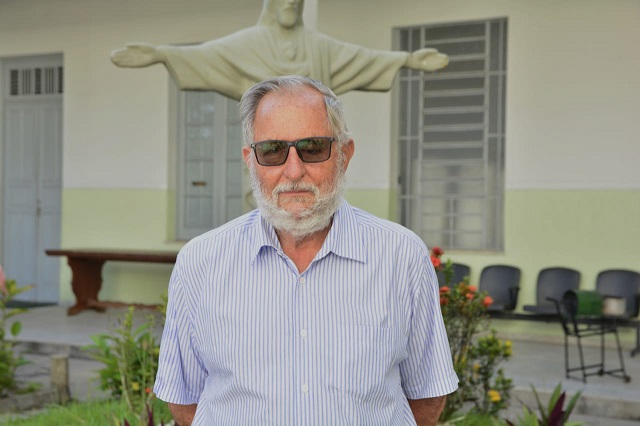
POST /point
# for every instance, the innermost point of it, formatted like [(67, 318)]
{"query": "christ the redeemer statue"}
[(278, 45)]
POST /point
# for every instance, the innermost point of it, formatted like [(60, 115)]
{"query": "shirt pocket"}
[(363, 361)]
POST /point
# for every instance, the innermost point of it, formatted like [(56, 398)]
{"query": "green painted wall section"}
[(129, 219), (375, 201), (589, 230)]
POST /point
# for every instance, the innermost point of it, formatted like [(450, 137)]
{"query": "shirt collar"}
[(344, 239), (345, 236)]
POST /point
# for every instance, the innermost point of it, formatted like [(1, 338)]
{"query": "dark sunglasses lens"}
[(271, 153), (314, 150)]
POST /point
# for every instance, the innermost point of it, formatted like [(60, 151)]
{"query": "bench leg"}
[(86, 280), (636, 350)]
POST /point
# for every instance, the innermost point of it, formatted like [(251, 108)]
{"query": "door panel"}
[(210, 162), (32, 192)]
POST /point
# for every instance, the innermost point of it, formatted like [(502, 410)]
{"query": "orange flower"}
[(469, 295), (472, 288), (487, 301), (147, 390), (436, 261), (444, 289)]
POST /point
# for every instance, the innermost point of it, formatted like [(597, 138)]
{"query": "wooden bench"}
[(86, 272)]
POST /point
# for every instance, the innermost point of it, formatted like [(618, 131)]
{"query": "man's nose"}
[(294, 166)]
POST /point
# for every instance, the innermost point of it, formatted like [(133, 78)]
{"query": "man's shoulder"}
[(371, 224)]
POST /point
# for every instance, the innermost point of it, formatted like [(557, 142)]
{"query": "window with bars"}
[(452, 136), (35, 81)]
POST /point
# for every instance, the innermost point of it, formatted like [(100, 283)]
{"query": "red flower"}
[(472, 288), (443, 300), (436, 261), (487, 301), (444, 289), (3, 282), (147, 390), (469, 295), (437, 251)]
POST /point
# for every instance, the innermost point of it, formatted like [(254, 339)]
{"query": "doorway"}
[(32, 173)]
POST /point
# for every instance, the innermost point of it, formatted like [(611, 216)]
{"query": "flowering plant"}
[(475, 360), (9, 362)]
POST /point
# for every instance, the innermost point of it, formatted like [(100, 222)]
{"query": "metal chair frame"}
[(587, 327)]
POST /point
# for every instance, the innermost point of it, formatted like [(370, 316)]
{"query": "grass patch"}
[(92, 413)]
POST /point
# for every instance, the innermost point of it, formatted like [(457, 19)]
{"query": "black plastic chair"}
[(460, 272), (502, 283), (551, 285), (622, 283)]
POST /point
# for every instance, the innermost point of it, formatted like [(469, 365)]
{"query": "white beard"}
[(300, 224)]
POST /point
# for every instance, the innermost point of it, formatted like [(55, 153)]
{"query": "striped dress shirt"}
[(254, 342)]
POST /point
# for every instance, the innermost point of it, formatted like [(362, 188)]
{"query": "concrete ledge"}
[(44, 348), (28, 401)]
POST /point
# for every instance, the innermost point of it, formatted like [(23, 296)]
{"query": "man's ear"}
[(348, 149), (246, 154)]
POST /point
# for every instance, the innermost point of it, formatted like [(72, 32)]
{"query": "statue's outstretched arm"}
[(427, 59), (138, 55)]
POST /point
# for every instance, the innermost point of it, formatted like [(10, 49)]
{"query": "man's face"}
[(296, 190), (287, 12)]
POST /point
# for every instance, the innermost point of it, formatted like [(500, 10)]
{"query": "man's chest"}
[(336, 316)]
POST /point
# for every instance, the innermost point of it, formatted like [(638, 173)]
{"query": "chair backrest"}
[(460, 271), (621, 283), (554, 282), (501, 282)]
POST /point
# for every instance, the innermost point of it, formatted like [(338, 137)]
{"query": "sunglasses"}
[(314, 149)]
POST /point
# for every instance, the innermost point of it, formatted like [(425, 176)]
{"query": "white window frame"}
[(451, 136)]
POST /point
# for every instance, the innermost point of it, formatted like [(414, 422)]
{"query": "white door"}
[(210, 169), (32, 175)]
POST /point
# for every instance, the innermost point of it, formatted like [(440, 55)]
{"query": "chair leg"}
[(636, 350), (602, 352), (566, 356), (582, 367), (625, 377)]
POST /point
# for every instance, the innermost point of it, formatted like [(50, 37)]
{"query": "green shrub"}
[(130, 359), (553, 413), (9, 361)]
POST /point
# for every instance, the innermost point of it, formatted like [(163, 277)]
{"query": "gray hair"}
[(292, 84)]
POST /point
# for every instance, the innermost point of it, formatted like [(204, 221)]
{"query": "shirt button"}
[(305, 388), (303, 281), (303, 333)]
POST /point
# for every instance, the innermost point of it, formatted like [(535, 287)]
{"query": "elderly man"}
[(278, 45), (307, 311)]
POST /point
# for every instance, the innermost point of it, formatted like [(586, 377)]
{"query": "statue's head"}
[(286, 13)]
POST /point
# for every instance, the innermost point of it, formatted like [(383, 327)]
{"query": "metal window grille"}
[(452, 136), (37, 81)]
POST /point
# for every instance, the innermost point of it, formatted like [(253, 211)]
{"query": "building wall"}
[(573, 96)]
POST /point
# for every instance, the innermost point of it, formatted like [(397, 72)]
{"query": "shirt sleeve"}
[(428, 371), (181, 374)]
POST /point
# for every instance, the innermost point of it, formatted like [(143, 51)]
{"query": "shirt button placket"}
[(302, 349)]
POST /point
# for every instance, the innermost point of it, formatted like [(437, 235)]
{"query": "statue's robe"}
[(232, 64)]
